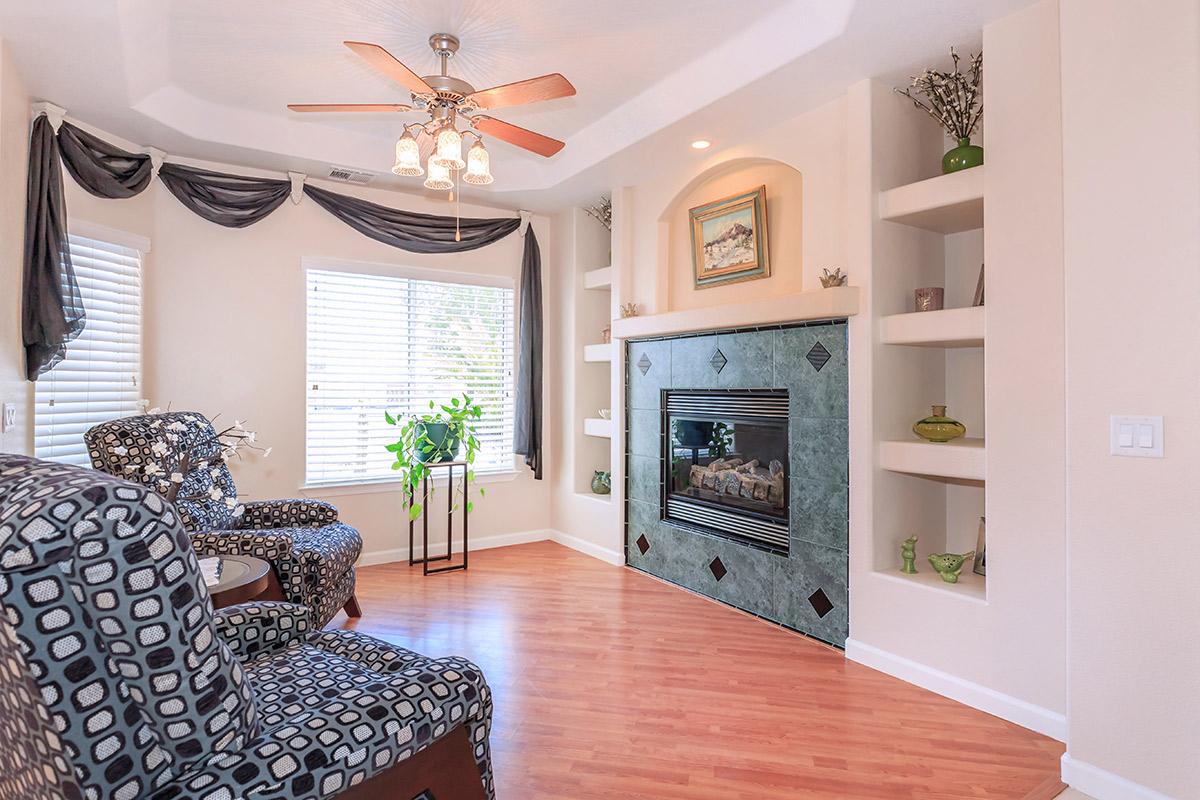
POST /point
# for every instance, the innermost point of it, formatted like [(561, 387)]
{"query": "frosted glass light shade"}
[(439, 176), (408, 157), (478, 166), (448, 152)]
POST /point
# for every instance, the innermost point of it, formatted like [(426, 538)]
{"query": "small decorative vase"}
[(930, 298), (965, 156), (601, 482), (937, 427), (908, 554), (948, 565)]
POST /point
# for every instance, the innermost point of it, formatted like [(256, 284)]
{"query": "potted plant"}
[(434, 438), (955, 100)]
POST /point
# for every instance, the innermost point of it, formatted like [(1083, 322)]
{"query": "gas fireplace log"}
[(749, 466)]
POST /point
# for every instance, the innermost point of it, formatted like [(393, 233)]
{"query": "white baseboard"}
[(1102, 784), (1020, 712), (614, 557), (477, 543)]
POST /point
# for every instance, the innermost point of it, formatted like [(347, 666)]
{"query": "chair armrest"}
[(262, 627), (262, 544), (265, 514), (374, 654)]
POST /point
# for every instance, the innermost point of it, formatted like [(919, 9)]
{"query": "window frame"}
[(343, 487)]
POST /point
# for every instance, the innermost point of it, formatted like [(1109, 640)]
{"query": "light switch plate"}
[(10, 417), (1137, 436)]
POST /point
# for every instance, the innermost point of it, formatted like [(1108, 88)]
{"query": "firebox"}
[(725, 463)]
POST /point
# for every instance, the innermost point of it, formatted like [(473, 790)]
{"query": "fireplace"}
[(725, 463)]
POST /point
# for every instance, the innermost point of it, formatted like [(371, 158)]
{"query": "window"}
[(99, 379), (381, 342)]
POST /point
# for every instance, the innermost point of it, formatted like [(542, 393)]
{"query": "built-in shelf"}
[(946, 204), (598, 427), (835, 303), (969, 586), (598, 352), (963, 459), (598, 278), (598, 498), (951, 327)]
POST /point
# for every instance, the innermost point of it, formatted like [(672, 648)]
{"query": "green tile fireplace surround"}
[(804, 588)]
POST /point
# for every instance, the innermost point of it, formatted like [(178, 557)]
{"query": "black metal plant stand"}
[(425, 558)]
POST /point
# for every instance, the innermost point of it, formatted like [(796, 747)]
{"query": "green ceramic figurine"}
[(948, 565), (908, 552)]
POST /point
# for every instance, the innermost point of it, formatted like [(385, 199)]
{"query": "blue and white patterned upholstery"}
[(117, 680), (312, 553)]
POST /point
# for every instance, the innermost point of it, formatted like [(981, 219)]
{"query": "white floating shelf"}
[(946, 204), (819, 304), (951, 327), (598, 278), (965, 459), (598, 427), (969, 586), (598, 352)]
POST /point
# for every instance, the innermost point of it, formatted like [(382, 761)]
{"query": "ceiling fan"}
[(447, 99)]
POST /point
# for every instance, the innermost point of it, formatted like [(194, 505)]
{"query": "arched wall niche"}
[(785, 233)]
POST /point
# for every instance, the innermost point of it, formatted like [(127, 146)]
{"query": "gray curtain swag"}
[(103, 169), (229, 200), (53, 313)]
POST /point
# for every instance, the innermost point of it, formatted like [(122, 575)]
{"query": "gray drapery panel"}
[(103, 169), (52, 311), (527, 431), (416, 233), (229, 200)]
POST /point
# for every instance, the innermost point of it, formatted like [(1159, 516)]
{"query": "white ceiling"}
[(210, 79)]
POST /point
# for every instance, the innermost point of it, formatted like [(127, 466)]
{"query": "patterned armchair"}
[(117, 680), (311, 552)]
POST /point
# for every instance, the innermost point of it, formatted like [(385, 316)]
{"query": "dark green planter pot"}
[(439, 434), (965, 156)]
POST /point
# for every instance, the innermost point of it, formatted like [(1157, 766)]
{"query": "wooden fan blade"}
[(547, 87), (344, 107), (389, 65), (533, 142)]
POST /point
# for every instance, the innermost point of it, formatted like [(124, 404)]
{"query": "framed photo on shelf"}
[(979, 567), (729, 239)]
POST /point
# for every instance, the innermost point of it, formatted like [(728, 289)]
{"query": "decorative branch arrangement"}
[(176, 458), (602, 212), (954, 99)]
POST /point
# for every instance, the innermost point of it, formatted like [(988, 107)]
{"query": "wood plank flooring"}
[(611, 684)]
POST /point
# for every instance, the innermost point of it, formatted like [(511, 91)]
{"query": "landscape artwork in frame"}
[(729, 239)]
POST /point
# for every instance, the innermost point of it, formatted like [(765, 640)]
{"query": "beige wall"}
[(225, 334), (1131, 159), (14, 158)]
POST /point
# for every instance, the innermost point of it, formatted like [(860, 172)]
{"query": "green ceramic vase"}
[(965, 156), (601, 482), (445, 445), (937, 427)]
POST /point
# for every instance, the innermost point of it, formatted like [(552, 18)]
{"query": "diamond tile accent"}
[(820, 602), (642, 544), (818, 356), (644, 363), (718, 361), (717, 567)]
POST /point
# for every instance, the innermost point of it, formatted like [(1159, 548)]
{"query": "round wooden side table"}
[(239, 578)]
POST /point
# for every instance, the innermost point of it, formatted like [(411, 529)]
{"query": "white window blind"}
[(99, 379), (381, 342)]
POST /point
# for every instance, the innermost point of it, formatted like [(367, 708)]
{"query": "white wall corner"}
[(1027, 715), (607, 555), (1104, 785), (53, 113)]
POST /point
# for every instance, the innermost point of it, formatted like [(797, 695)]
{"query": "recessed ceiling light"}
[(701, 144)]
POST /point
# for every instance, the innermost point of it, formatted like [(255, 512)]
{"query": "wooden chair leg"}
[(352, 607)]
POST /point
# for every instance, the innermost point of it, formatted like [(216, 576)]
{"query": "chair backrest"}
[(123, 447), (100, 585)]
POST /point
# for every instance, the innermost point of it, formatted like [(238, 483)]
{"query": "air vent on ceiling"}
[(350, 175)]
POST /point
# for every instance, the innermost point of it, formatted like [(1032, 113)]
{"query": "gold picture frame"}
[(729, 239)]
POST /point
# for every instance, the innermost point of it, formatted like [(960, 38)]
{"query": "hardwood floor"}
[(611, 684)]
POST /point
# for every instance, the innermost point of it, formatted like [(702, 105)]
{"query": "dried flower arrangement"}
[(955, 100), (177, 457), (602, 212)]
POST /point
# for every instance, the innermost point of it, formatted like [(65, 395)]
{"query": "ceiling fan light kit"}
[(446, 99)]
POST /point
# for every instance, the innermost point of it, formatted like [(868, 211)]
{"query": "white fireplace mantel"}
[(836, 303)]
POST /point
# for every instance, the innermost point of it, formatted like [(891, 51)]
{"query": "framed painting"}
[(729, 239)]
